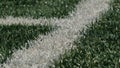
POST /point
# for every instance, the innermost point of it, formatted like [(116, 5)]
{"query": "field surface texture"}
[(99, 45), (36, 8), (44, 46)]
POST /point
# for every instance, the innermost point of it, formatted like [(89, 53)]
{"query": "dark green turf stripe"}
[(99, 47), (36, 8), (15, 36)]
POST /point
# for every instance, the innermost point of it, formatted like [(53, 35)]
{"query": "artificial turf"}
[(99, 45), (15, 36), (37, 8)]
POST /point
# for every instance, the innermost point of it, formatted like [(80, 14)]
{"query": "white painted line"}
[(51, 46)]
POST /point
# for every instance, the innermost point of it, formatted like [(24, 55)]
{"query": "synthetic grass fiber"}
[(43, 51), (37, 8), (14, 37), (99, 45)]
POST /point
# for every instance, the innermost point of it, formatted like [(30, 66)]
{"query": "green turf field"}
[(15, 36), (37, 8), (99, 45)]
